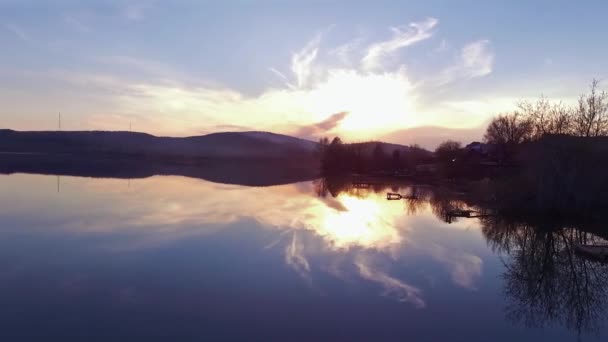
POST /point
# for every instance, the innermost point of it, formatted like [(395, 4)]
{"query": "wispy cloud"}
[(135, 11), (402, 37), (301, 61), (19, 32), (345, 51), (475, 60), (282, 77), (378, 97), (76, 21)]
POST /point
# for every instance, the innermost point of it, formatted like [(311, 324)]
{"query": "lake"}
[(177, 258)]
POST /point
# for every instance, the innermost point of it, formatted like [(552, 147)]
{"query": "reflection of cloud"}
[(335, 204), (465, 268), (403, 291), (294, 257), (414, 33), (150, 212)]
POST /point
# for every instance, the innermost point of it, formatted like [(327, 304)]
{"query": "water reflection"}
[(413, 251), (545, 281)]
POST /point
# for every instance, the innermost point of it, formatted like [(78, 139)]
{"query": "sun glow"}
[(375, 102)]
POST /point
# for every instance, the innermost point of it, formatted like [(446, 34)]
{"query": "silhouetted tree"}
[(591, 114), (508, 129), (546, 117), (396, 161), (379, 157), (448, 151)]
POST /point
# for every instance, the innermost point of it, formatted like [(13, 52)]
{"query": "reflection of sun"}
[(364, 222)]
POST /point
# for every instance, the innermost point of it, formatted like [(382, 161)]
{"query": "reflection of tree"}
[(416, 202), (545, 281), (442, 205)]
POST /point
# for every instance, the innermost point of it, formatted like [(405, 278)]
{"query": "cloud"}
[(135, 12), (402, 37), (283, 78), (393, 286), (19, 32), (76, 21), (320, 128), (343, 52), (377, 101), (443, 46), (301, 61), (475, 60)]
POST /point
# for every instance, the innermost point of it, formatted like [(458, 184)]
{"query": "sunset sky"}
[(385, 70)]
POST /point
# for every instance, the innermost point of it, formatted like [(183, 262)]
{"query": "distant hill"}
[(388, 148), (430, 137), (229, 145)]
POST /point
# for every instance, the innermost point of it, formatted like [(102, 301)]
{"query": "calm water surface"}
[(145, 259)]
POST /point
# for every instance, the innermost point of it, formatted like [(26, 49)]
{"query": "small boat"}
[(599, 252)]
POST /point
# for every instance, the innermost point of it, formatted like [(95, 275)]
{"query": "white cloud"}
[(475, 60), (443, 46), (402, 37), (19, 32), (379, 99), (76, 21), (301, 62), (134, 12), (345, 51)]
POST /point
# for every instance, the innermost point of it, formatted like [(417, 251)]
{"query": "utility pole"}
[(59, 121)]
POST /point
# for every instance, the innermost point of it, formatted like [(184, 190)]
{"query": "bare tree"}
[(561, 119), (591, 115), (507, 129), (546, 117), (448, 151)]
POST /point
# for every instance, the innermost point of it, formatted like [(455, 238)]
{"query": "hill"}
[(229, 145)]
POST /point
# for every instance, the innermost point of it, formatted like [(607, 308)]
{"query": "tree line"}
[(534, 120), (368, 157)]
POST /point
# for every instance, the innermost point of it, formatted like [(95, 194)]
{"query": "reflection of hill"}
[(243, 172), (545, 281), (247, 158)]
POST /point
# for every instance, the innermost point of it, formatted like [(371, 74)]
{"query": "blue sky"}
[(191, 67)]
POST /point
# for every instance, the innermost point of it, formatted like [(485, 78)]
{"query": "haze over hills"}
[(430, 137)]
